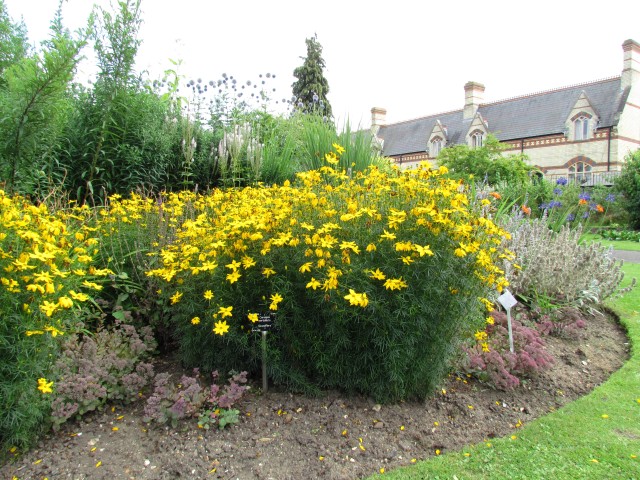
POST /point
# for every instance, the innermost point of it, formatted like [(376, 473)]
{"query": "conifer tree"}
[(311, 87)]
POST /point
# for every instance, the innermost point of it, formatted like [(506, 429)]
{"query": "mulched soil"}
[(285, 436)]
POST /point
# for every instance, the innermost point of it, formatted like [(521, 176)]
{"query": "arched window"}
[(581, 125), (580, 172), (436, 146), (477, 139)]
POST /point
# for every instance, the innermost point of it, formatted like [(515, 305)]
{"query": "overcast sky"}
[(411, 57)]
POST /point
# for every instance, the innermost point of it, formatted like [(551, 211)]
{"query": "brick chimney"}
[(473, 96), (630, 65), (378, 119)]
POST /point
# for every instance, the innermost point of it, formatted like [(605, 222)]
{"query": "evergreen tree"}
[(311, 88)]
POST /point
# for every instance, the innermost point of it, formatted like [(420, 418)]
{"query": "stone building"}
[(582, 132)]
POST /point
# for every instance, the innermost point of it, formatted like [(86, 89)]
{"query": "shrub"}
[(628, 183), (552, 267), (48, 277), (491, 359), (374, 278)]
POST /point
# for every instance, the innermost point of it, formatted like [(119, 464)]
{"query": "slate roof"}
[(534, 115)]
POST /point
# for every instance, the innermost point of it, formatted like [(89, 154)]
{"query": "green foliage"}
[(311, 87), (34, 107), (363, 278), (14, 45), (628, 184), (486, 163)]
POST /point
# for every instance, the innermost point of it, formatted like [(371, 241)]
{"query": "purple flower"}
[(561, 181), (555, 204), (557, 191), (585, 214), (584, 196), (543, 206), (610, 198), (571, 217)]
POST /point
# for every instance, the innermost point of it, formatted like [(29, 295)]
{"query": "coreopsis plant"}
[(374, 277), (47, 275)]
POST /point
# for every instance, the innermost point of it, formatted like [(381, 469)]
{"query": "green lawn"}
[(595, 437), (618, 245)]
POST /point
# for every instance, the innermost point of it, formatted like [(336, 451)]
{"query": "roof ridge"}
[(425, 116), (553, 90)]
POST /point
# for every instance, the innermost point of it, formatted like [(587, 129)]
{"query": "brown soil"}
[(284, 436)]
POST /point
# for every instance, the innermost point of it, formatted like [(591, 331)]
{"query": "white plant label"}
[(507, 300)]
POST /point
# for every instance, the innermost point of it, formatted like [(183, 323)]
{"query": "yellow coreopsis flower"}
[(407, 260), (253, 317), (53, 330), (44, 386), (175, 298), (276, 298), (221, 327), (208, 295), (338, 148), (426, 250), (233, 276), (225, 311), (195, 320), (358, 299), (395, 284), (267, 272), (371, 247), (313, 283), (377, 274), (305, 267), (80, 297), (48, 308), (65, 302)]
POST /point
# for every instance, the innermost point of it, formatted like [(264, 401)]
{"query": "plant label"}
[(507, 300), (264, 323)]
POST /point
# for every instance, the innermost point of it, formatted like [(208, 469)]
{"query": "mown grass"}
[(595, 437), (616, 244)]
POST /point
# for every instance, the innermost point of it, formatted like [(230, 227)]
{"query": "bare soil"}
[(285, 436)]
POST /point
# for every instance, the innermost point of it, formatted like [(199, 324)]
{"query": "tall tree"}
[(14, 45), (34, 104), (311, 87)]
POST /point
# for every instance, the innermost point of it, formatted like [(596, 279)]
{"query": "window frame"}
[(580, 172), (581, 128)]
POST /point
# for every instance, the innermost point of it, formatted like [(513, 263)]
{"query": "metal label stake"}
[(508, 301)]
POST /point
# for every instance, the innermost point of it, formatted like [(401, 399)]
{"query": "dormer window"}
[(581, 126), (436, 146), (477, 139)]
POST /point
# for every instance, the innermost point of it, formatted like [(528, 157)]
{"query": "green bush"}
[(628, 184), (374, 278)]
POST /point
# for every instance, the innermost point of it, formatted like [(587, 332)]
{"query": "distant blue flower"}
[(561, 181), (610, 198), (571, 217), (555, 204), (584, 196), (585, 214), (543, 206), (557, 191), (593, 206), (315, 98)]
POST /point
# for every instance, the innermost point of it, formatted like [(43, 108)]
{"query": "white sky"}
[(411, 57)]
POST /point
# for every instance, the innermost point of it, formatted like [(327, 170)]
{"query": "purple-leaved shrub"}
[(94, 369), (190, 398), (491, 360)]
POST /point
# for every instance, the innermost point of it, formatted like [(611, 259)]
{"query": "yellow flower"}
[(253, 317), (358, 299), (225, 312), (377, 274), (305, 267), (28, 333), (48, 308), (388, 236), (480, 336), (175, 298), (395, 284), (65, 302), (276, 298), (331, 158), (407, 260), (234, 265), (208, 295), (267, 272), (426, 250), (248, 262), (81, 297), (313, 283), (233, 276), (53, 330), (371, 247), (44, 386), (338, 148), (221, 327), (195, 320), (459, 252)]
